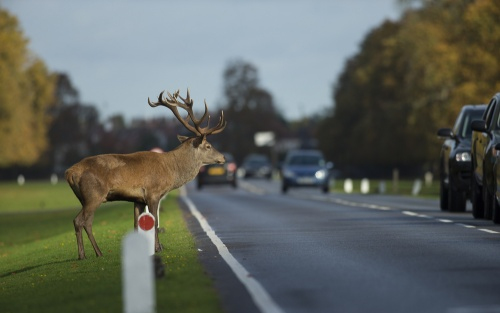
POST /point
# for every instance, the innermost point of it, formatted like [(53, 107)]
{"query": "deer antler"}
[(173, 103)]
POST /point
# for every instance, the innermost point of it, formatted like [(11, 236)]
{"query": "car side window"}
[(489, 113), (498, 119)]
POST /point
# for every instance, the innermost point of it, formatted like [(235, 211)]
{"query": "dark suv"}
[(455, 160), (485, 138)]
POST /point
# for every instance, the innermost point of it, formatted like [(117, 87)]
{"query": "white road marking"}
[(256, 190), (409, 213), (475, 309), (259, 295), (252, 188), (466, 226), (488, 231), (444, 220)]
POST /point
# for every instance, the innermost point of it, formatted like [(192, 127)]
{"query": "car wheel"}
[(487, 197), (234, 184), (284, 188), (496, 208), (456, 200), (199, 185), (325, 188), (477, 200), (443, 196)]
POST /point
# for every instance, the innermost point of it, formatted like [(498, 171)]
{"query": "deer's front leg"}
[(153, 208), (139, 208)]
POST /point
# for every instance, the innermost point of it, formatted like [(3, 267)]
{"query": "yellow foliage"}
[(26, 92)]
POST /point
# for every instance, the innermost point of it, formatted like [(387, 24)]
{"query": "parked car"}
[(256, 165), (495, 214), (218, 173), (488, 138), (305, 168), (455, 160), (485, 137)]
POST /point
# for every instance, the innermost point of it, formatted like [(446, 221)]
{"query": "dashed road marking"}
[(259, 191), (488, 231), (444, 220)]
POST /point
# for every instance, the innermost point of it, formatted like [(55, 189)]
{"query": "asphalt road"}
[(312, 252)]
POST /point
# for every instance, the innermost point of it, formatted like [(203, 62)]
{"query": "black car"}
[(256, 165), (218, 173), (484, 154), (455, 160)]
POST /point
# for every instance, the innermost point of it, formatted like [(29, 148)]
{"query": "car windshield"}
[(257, 162), (466, 131), (306, 160)]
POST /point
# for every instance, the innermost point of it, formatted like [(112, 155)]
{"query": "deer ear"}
[(182, 138)]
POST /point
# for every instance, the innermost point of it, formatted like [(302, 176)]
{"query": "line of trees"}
[(45, 128), (409, 78)]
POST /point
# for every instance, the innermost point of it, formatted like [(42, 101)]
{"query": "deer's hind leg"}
[(153, 208), (84, 220), (139, 208)]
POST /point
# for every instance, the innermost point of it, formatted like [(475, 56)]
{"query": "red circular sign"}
[(146, 222)]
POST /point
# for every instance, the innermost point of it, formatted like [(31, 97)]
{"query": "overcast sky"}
[(119, 53)]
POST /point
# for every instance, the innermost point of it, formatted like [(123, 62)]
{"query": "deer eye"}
[(209, 147)]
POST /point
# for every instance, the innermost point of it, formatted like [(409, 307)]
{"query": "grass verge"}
[(39, 270), (403, 187)]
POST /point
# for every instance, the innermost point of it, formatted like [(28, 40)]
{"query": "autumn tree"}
[(26, 93), (409, 78), (248, 108)]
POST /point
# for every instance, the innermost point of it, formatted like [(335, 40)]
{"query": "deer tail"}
[(73, 180)]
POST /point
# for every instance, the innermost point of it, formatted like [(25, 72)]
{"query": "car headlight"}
[(462, 157), (321, 174)]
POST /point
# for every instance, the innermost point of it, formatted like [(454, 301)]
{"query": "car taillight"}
[(231, 167), (202, 169)]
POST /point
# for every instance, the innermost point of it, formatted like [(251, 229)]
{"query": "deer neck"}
[(186, 165)]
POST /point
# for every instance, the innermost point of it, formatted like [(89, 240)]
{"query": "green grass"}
[(39, 270), (36, 196), (403, 187)]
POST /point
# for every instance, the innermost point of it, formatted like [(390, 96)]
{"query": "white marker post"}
[(146, 223), (365, 186), (138, 291), (348, 185)]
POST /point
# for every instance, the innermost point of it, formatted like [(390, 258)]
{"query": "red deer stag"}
[(143, 177)]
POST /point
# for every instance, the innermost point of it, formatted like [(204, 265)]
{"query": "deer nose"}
[(221, 160)]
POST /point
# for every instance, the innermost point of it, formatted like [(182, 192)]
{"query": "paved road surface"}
[(347, 253)]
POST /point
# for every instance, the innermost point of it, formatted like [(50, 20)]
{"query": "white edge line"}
[(259, 295)]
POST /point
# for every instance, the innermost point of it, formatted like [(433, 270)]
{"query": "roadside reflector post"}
[(138, 289), (428, 177), (417, 186), (395, 180), (381, 187), (146, 228), (365, 186), (348, 185)]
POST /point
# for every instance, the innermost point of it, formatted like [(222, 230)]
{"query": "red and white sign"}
[(146, 223)]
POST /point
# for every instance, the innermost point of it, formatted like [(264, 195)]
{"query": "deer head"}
[(204, 150)]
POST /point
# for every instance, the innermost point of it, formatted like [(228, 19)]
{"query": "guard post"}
[(146, 227)]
